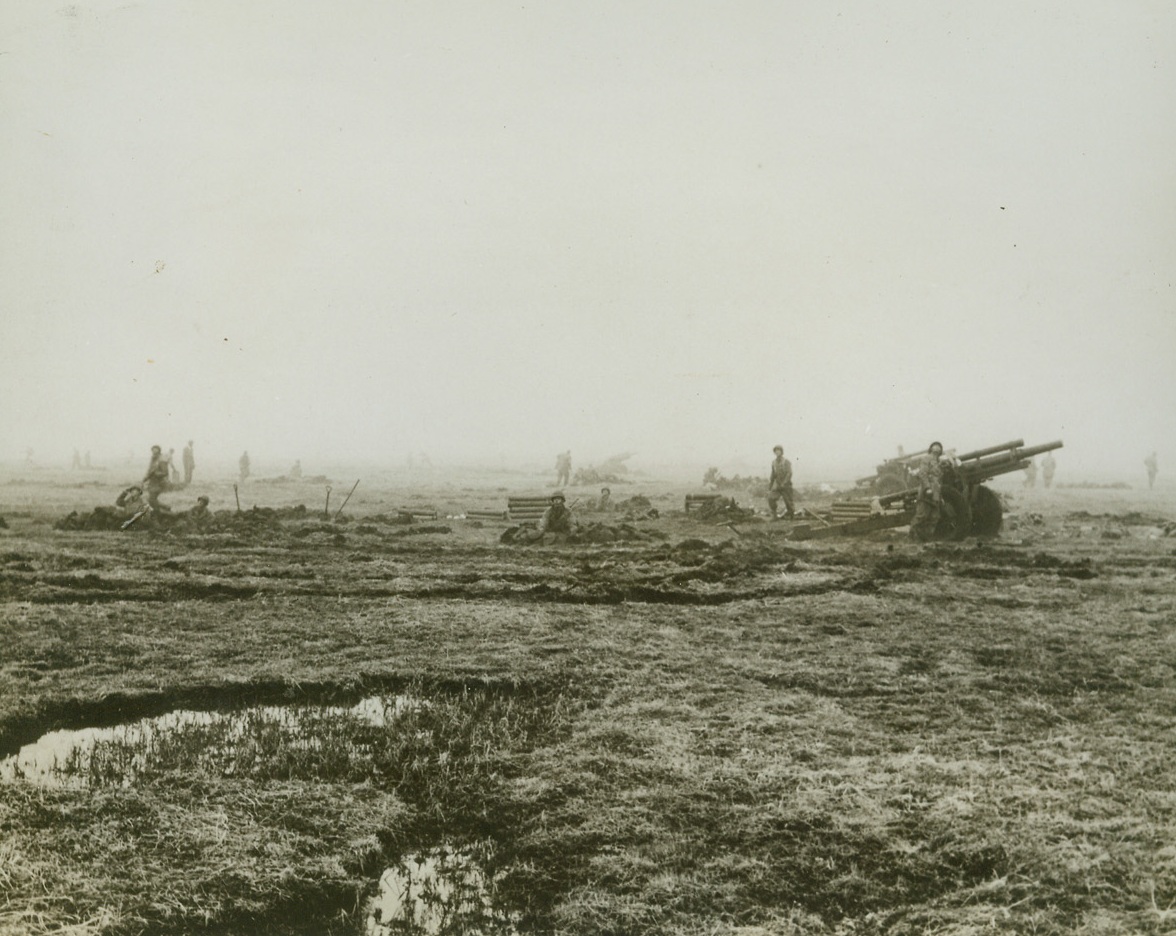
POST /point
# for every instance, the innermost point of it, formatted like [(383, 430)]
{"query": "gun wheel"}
[(987, 513), (955, 518)]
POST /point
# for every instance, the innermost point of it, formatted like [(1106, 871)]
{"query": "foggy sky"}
[(493, 231)]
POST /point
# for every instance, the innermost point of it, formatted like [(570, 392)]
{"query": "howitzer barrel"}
[(980, 453), (982, 467), (1003, 468), (1012, 460), (1040, 449)]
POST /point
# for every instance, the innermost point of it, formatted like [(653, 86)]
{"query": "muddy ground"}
[(694, 729)]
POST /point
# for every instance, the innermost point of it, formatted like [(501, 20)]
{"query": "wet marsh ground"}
[(702, 730)]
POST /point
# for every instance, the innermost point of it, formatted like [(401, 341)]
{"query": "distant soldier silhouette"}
[(1152, 467), (296, 469), (172, 470), (189, 458), (1048, 467), (1031, 474), (243, 466), (563, 468), (77, 461)]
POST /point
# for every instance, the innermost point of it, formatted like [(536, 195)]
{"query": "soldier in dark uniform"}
[(780, 484)]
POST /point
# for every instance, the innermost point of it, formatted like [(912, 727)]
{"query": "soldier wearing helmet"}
[(780, 484), (930, 499)]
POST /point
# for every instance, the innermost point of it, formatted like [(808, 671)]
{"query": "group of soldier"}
[(161, 476), (1049, 466)]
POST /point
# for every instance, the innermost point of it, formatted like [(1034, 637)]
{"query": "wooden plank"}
[(486, 515)]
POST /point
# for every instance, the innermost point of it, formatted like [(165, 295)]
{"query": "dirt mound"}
[(587, 533), (111, 518), (638, 507), (723, 510), (100, 518)]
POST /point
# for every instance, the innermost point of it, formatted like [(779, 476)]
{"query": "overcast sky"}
[(494, 231)]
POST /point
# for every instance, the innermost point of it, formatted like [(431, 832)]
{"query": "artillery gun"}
[(893, 476), (968, 507)]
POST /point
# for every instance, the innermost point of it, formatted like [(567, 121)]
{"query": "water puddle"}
[(444, 890), (227, 743)]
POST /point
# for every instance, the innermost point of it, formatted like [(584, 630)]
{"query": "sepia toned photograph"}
[(587, 469)]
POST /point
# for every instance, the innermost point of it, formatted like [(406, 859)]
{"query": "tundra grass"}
[(867, 738)]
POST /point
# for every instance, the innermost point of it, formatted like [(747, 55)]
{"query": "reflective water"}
[(122, 753), (441, 891)]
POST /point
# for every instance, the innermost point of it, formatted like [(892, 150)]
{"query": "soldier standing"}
[(1031, 474), (563, 468), (1048, 467), (929, 499), (189, 462), (1152, 467), (156, 478), (780, 484), (243, 465)]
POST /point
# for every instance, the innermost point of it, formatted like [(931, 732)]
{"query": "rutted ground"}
[(692, 735)]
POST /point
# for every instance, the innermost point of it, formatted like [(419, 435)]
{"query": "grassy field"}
[(694, 730)]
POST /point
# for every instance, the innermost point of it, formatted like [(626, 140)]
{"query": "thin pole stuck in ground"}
[(347, 498)]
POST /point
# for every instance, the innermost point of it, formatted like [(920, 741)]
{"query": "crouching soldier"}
[(555, 526), (200, 514), (130, 501), (557, 518)]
